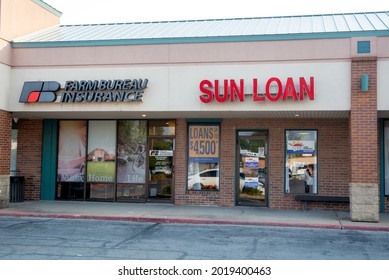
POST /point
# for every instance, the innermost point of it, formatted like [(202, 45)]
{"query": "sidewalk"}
[(168, 213)]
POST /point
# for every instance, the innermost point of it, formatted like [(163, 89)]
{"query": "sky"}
[(118, 11)]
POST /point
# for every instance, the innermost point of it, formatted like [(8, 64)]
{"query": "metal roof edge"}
[(48, 7), (192, 40), (221, 19)]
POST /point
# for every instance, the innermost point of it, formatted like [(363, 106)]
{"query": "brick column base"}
[(4, 191), (364, 202)]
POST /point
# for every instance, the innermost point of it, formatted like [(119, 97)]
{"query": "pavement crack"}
[(29, 222), (135, 236)]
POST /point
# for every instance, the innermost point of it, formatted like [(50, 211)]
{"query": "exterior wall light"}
[(365, 82)]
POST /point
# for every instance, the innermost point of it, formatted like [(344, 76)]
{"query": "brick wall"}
[(180, 162), (29, 156), (364, 163), (5, 142), (363, 123), (333, 162)]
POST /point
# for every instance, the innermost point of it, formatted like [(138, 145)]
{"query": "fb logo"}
[(34, 92)]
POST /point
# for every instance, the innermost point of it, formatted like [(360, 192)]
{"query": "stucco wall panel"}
[(382, 85), (22, 17), (262, 51), (5, 52), (75, 56), (382, 47), (5, 80), (185, 53)]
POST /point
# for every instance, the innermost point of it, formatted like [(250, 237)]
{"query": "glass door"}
[(160, 169), (252, 182)]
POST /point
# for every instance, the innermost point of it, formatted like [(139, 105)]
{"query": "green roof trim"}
[(191, 40)]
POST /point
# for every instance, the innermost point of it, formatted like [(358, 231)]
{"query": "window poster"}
[(250, 162), (71, 151), (203, 160), (131, 152), (101, 151)]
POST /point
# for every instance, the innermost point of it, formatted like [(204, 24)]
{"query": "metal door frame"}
[(149, 198), (263, 134)]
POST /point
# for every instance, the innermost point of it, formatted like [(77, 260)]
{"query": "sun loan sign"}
[(274, 90)]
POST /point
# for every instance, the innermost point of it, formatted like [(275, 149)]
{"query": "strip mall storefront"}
[(203, 139), (243, 123), (212, 157)]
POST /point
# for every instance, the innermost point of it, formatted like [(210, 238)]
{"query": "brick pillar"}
[(5, 156), (364, 165), (29, 156), (180, 162)]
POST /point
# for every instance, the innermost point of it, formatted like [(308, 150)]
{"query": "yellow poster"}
[(204, 142)]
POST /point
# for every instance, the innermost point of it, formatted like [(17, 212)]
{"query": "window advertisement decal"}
[(131, 152), (71, 151), (301, 147), (251, 162), (101, 151), (203, 160)]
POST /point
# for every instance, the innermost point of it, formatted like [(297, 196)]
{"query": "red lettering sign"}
[(208, 94), (275, 90)]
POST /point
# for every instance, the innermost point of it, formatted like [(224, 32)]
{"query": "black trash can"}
[(16, 189)]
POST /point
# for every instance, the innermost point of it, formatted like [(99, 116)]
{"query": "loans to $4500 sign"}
[(204, 141)]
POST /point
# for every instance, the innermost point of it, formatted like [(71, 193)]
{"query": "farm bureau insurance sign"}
[(84, 91)]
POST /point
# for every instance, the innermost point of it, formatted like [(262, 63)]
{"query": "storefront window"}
[(203, 159), (14, 148), (71, 160), (301, 161), (131, 152), (162, 128), (131, 159), (101, 160), (71, 151), (108, 160), (386, 148), (100, 191)]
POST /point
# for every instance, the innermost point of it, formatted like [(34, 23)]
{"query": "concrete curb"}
[(198, 221)]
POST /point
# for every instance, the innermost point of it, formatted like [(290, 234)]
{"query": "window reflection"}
[(301, 161), (203, 160), (162, 128)]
